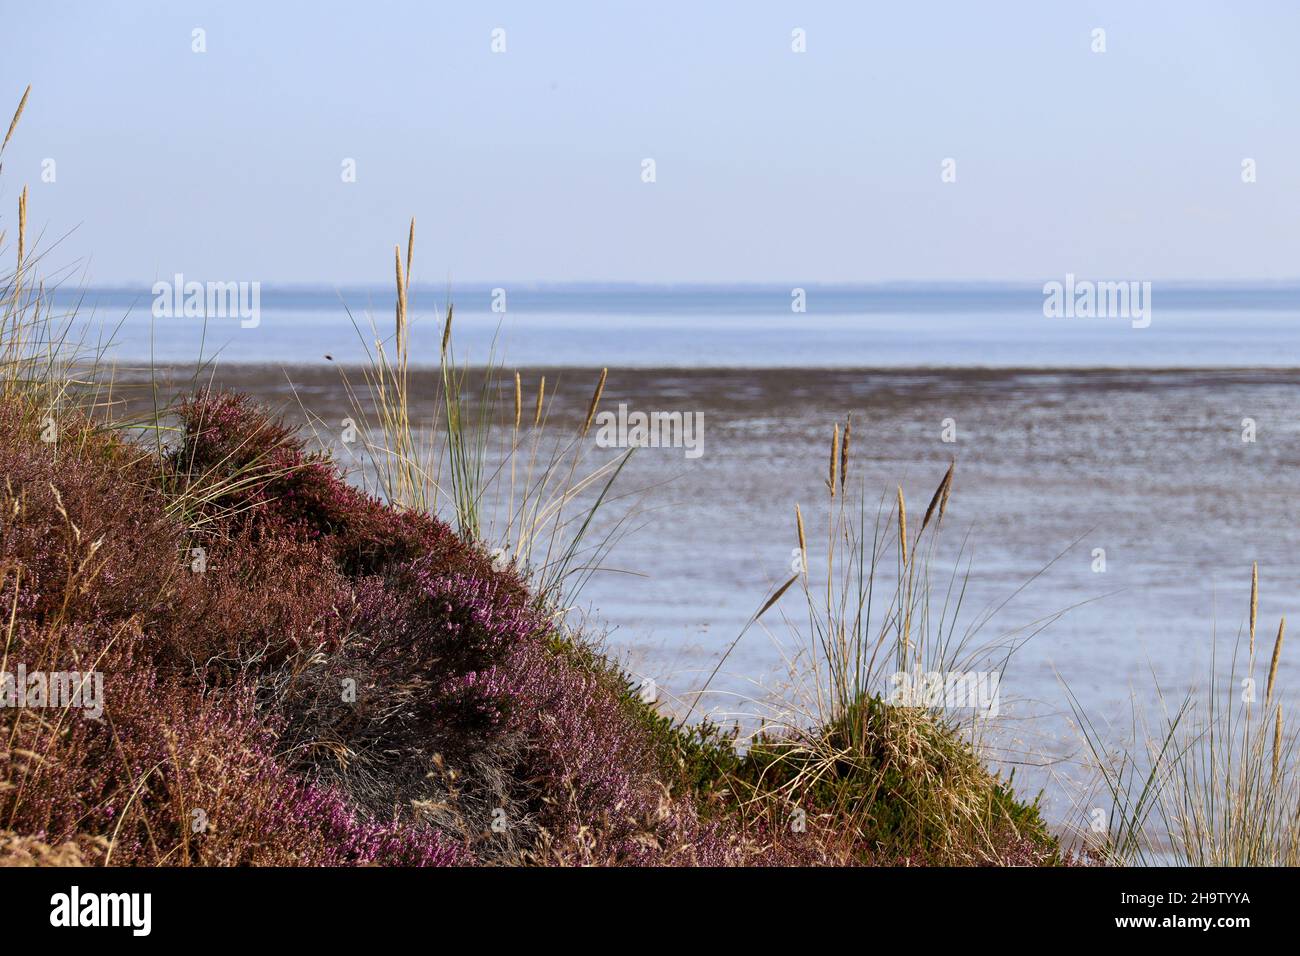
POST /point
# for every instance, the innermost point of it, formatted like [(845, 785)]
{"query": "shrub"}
[(250, 469)]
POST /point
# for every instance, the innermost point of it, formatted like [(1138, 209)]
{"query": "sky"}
[(770, 165)]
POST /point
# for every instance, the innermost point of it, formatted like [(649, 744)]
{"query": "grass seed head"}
[(595, 400)]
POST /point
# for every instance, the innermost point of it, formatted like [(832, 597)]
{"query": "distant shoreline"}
[(704, 371)]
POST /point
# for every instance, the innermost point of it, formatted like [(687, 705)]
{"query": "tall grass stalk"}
[(1210, 778), (871, 609), (525, 492)]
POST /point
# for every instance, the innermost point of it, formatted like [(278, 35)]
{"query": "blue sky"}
[(771, 166)]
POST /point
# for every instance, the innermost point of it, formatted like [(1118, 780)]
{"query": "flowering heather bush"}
[(95, 576), (424, 723), (460, 706), (90, 541), (274, 487), (260, 601), (177, 775)]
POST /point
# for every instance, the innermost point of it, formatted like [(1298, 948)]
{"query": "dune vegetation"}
[(298, 672), (304, 665)]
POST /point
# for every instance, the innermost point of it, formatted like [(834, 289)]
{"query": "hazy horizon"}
[(480, 285)]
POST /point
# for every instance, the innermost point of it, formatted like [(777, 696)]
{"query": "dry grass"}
[(910, 777), (19, 850), (525, 494), (1206, 781)]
